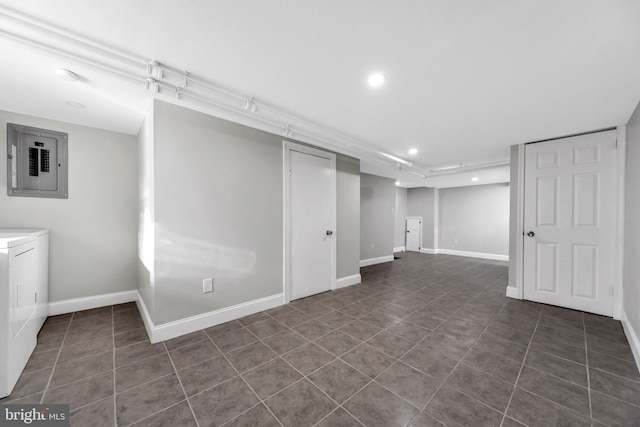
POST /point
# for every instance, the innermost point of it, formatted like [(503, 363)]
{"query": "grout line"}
[(261, 401), (515, 387), (55, 363), (113, 350), (306, 377), (459, 362), (335, 410), (156, 413), (615, 375), (586, 361), (175, 371), (244, 412)]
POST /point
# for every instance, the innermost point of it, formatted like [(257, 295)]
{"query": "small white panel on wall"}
[(36, 162)]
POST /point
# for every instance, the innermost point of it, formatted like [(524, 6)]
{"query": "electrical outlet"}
[(455, 241), (372, 246), (207, 285)]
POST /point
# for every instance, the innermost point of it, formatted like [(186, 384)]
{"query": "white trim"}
[(86, 303), (288, 147), (373, 261), (496, 257), (520, 226), (399, 249), (436, 218), (429, 251), (195, 323), (513, 293), (632, 336), (618, 272), (406, 226), (618, 268), (343, 282), (146, 317)]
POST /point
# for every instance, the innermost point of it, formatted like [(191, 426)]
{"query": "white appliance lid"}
[(30, 231), (10, 240)]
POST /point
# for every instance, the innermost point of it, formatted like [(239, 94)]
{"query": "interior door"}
[(414, 231), (311, 233), (569, 222)]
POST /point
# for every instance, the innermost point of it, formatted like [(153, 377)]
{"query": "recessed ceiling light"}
[(66, 75), (376, 79), (75, 104), (475, 178), (413, 151), (397, 182)]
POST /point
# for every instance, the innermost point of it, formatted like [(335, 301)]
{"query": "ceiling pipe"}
[(161, 79), (467, 168)]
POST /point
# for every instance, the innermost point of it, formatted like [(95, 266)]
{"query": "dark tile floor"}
[(426, 340)]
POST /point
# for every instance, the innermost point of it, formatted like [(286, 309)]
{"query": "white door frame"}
[(621, 157), (288, 147), (419, 234)]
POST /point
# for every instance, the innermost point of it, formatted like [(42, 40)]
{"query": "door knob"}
[(329, 232), (407, 231), (531, 234)]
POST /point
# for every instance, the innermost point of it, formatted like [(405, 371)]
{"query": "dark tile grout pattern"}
[(425, 340)]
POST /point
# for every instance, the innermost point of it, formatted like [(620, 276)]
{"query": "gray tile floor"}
[(426, 340)]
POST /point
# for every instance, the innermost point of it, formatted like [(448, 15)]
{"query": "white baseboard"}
[(343, 282), (496, 257), (632, 337), (428, 251), (398, 249), (512, 292), (180, 327), (146, 317), (86, 303), (372, 261)]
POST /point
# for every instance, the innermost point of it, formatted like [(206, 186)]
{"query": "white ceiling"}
[(465, 78)]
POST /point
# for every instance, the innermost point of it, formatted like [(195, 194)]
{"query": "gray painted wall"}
[(477, 217), (348, 216), (399, 229), (631, 287), (420, 202), (93, 247), (218, 211), (377, 202)]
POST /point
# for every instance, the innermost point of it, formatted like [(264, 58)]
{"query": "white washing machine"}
[(20, 304), (42, 269)]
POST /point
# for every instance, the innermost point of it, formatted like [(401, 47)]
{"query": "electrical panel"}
[(36, 162)]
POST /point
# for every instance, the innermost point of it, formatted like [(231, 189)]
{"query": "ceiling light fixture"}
[(75, 104), (474, 179), (413, 151), (376, 79), (66, 75)]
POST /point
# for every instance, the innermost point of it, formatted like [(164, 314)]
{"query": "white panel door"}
[(413, 234), (310, 203), (569, 222)]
